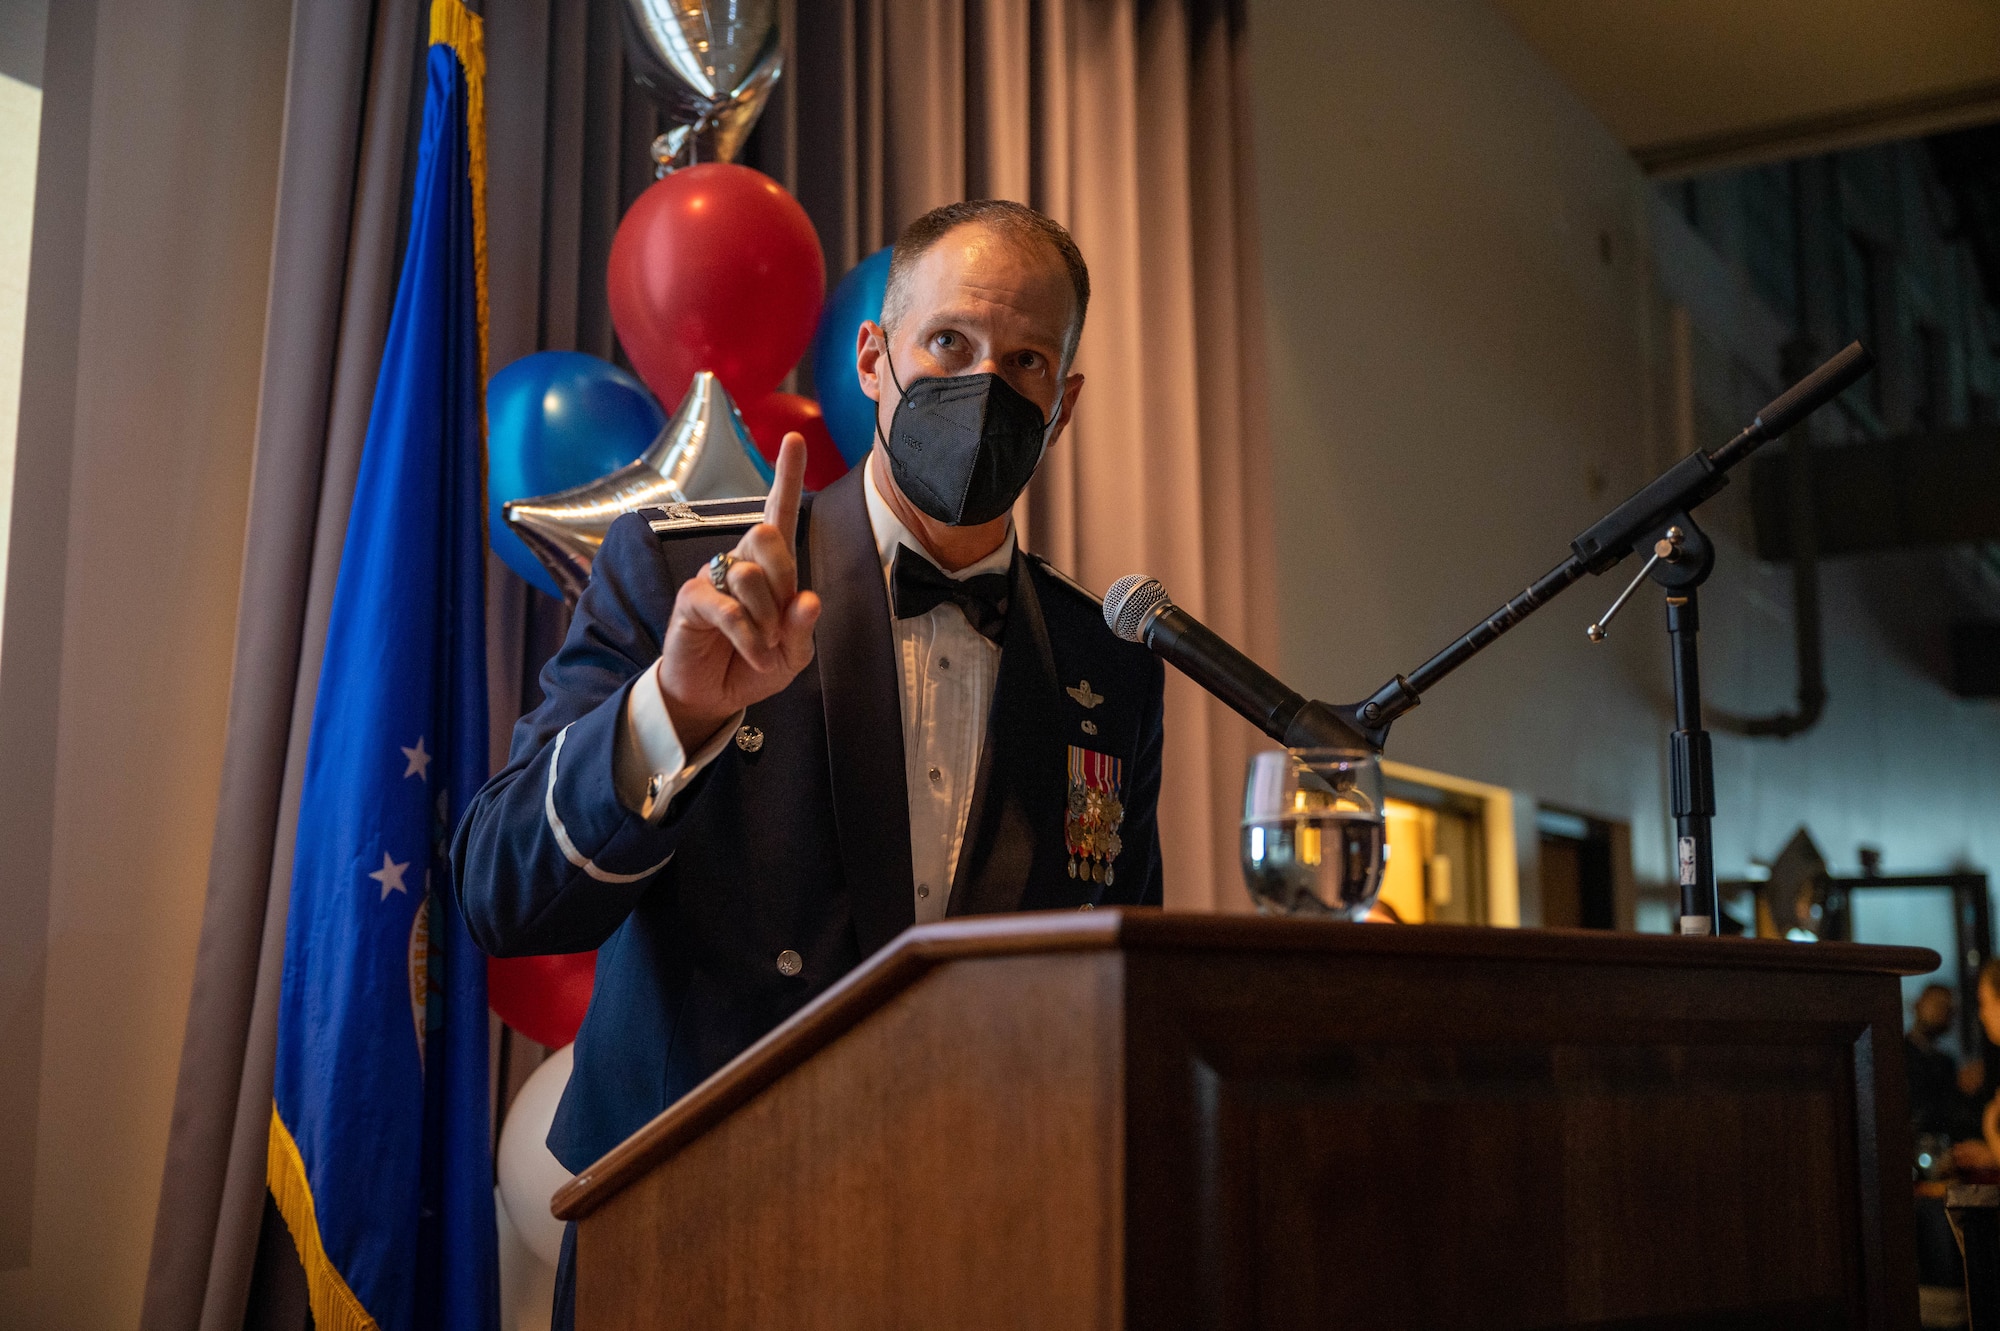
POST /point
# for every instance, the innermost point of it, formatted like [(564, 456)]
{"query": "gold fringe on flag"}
[(334, 1307), (453, 25)]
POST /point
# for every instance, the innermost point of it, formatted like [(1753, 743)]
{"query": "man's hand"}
[(725, 651)]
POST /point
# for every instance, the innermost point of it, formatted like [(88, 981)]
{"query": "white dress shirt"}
[(946, 669)]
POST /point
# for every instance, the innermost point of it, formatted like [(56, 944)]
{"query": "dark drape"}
[(567, 140), (1126, 120)]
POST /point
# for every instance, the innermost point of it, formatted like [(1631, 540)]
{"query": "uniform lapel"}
[(1021, 756), (864, 713)]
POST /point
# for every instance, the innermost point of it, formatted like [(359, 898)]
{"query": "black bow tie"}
[(920, 586)]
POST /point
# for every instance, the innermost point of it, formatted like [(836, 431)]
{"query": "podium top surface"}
[(919, 950)]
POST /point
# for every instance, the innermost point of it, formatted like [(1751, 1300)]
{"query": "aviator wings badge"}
[(1084, 697)]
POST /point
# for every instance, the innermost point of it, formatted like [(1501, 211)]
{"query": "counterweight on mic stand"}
[(1137, 609)]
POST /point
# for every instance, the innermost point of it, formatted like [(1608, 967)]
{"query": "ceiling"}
[(1693, 85)]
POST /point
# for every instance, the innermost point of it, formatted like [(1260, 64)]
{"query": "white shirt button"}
[(790, 963), (944, 663), (936, 775), (923, 889)]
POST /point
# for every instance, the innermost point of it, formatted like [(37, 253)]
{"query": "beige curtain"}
[(1129, 122), (567, 135)]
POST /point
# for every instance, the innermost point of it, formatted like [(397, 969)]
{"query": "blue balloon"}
[(557, 419), (850, 413)]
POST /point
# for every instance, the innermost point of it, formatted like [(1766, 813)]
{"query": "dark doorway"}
[(1579, 876)]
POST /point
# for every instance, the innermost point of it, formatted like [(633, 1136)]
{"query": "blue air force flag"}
[(380, 1143)]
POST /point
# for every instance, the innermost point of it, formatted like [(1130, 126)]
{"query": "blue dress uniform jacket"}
[(799, 846)]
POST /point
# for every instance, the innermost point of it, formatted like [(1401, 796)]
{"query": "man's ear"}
[(869, 340), (1072, 389)]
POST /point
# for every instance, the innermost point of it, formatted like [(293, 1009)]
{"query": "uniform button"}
[(944, 663), (923, 889), (790, 963), (936, 775)]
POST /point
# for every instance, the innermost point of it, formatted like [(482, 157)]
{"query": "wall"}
[(146, 313), (1455, 288), (1469, 366)]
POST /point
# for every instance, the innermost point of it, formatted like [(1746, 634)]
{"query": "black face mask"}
[(962, 448)]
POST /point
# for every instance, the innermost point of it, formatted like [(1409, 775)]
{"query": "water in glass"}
[(1312, 832)]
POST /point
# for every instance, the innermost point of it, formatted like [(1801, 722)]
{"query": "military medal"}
[(1096, 810)]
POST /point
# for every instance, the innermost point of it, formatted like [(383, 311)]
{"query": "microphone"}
[(1137, 609)]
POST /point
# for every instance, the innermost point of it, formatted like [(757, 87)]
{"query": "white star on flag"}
[(390, 875), (420, 762)]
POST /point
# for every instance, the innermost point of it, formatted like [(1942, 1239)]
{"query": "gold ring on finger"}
[(718, 570)]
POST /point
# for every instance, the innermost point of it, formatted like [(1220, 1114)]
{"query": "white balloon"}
[(527, 1283), (529, 1175)]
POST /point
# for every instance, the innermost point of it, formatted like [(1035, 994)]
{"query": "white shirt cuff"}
[(648, 763)]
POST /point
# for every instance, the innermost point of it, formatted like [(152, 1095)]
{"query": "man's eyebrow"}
[(951, 314)]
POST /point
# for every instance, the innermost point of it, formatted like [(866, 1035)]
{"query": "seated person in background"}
[(1984, 1150), (1937, 1105)]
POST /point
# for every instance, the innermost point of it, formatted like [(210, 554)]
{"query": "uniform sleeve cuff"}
[(650, 765)]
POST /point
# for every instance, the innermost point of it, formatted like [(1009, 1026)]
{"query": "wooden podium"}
[(1143, 1119)]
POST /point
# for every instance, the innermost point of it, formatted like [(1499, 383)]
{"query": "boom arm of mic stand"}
[(1695, 478)]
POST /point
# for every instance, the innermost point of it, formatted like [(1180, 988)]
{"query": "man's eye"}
[(945, 341), (1030, 360)]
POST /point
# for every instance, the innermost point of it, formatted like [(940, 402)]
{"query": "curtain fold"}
[(567, 145), (340, 200), (1128, 121)]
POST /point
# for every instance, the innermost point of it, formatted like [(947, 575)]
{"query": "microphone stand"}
[(1681, 561)]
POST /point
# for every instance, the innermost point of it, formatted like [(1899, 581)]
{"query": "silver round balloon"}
[(704, 452), (710, 65)]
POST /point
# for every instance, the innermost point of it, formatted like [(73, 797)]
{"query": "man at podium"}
[(768, 746)]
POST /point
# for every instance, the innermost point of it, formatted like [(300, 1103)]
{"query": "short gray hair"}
[(1015, 221)]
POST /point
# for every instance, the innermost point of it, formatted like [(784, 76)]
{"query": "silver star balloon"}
[(704, 452), (710, 65)]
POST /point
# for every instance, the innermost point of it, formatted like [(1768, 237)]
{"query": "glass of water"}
[(1312, 832)]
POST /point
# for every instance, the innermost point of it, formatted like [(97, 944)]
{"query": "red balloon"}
[(544, 998), (775, 415), (715, 268)]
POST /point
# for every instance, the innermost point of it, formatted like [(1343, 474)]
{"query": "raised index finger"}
[(781, 506)]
